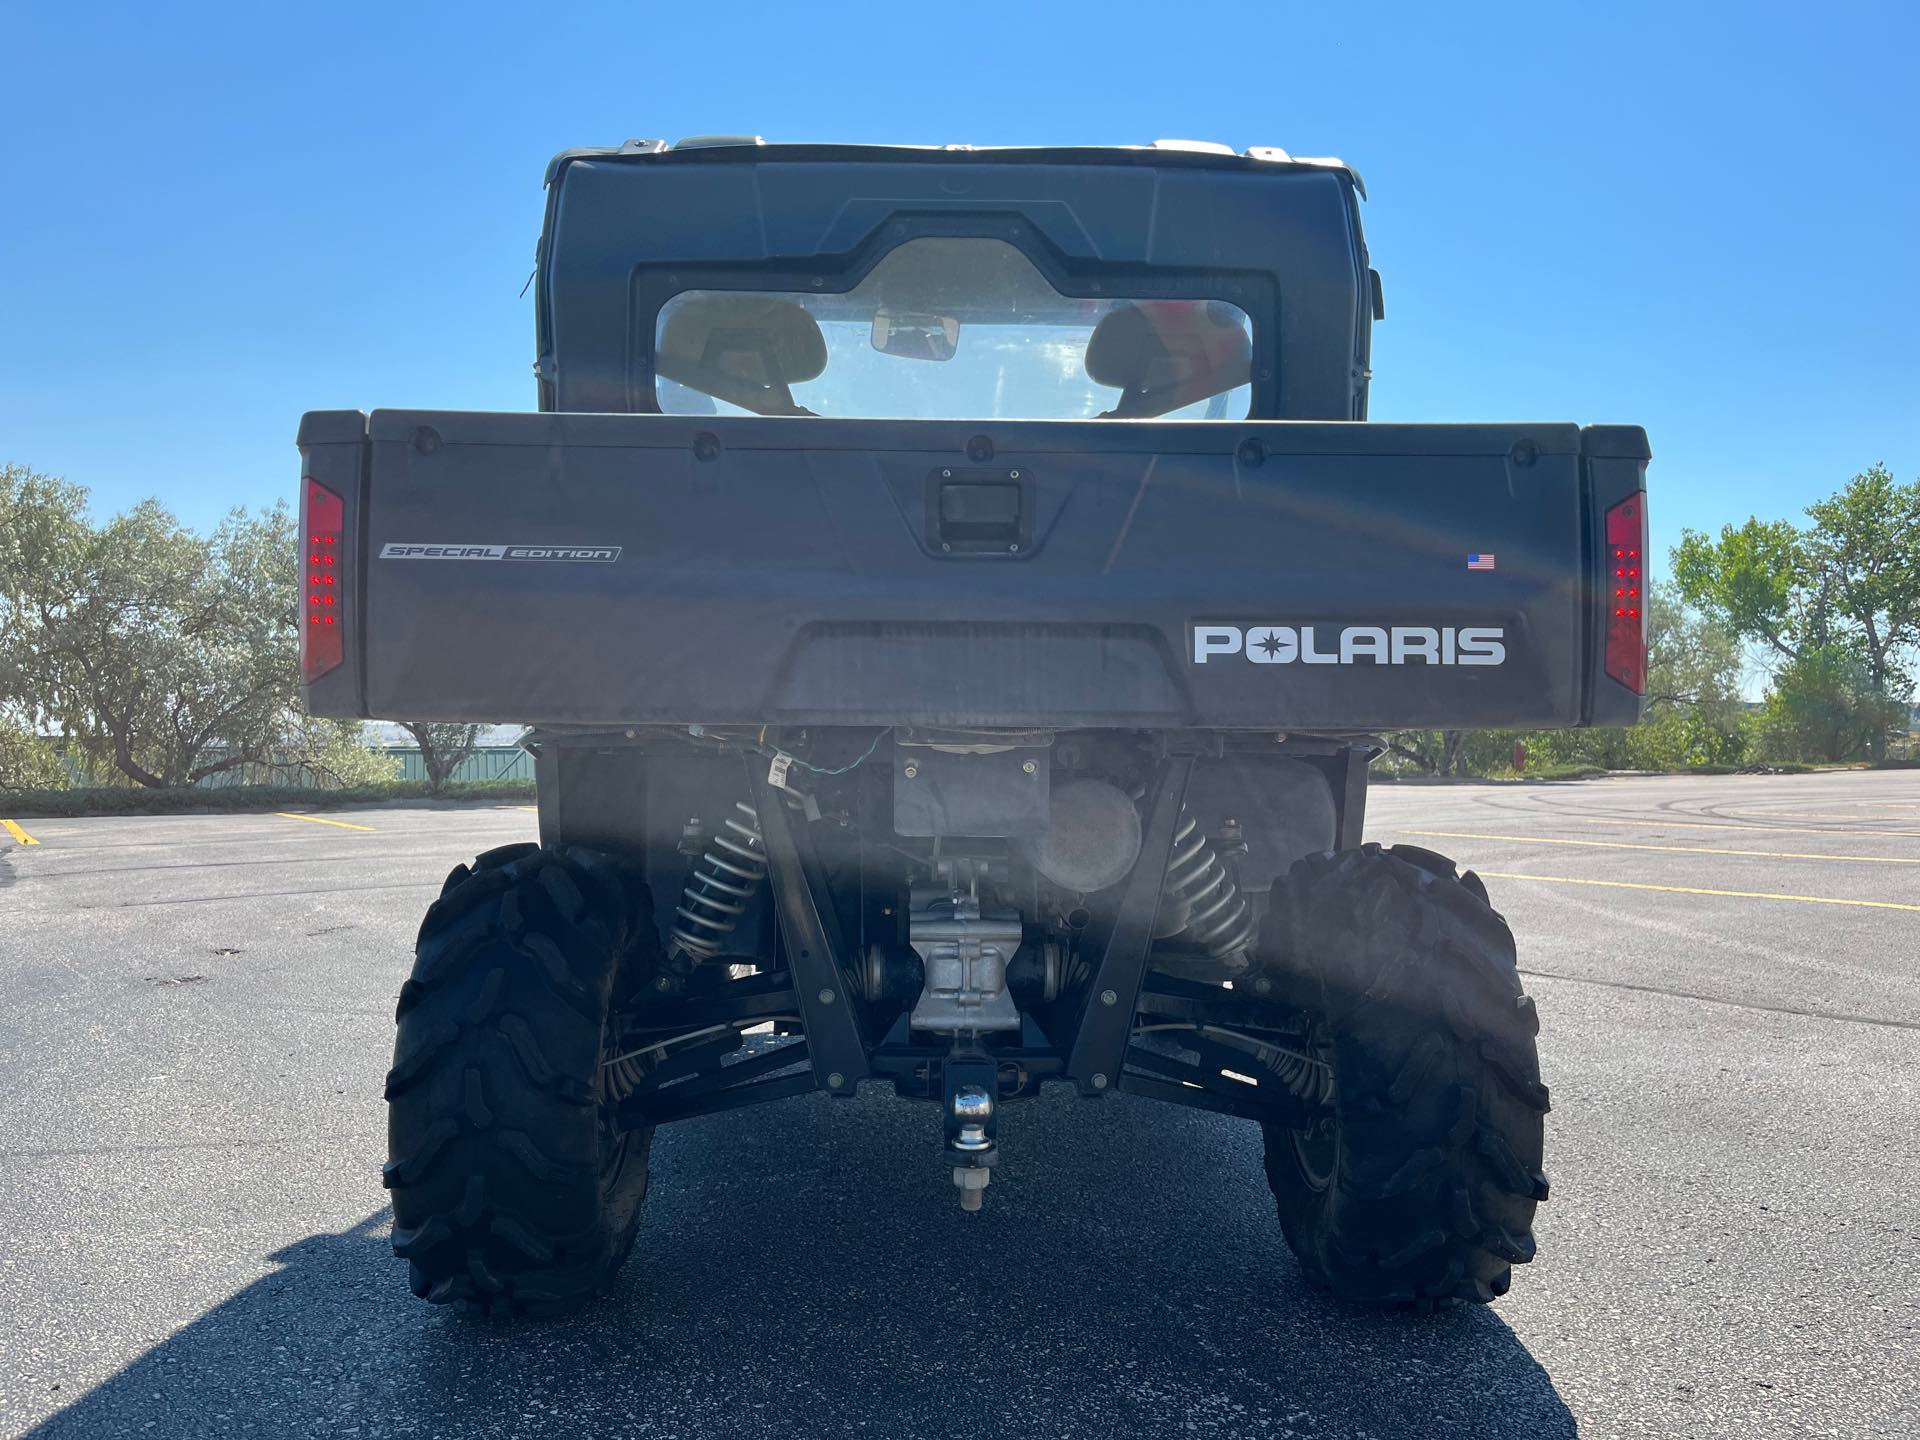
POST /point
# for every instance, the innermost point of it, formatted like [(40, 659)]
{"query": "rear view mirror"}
[(915, 337)]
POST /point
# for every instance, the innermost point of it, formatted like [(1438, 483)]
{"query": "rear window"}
[(952, 328)]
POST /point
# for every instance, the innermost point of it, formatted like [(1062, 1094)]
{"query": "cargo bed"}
[(601, 569)]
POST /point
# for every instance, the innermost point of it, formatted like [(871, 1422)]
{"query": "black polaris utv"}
[(953, 603)]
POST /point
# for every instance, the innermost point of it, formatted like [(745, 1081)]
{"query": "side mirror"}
[(915, 337)]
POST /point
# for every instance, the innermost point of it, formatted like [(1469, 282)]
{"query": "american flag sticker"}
[(1480, 562)]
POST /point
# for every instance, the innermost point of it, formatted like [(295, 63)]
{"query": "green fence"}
[(495, 762), (490, 762)]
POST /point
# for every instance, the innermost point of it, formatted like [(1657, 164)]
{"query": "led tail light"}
[(322, 517), (1626, 592)]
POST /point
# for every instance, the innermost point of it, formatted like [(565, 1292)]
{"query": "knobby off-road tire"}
[(512, 1192), (1421, 1187)]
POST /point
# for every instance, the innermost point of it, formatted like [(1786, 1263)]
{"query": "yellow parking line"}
[(1675, 849), (1695, 890), (1749, 826), (321, 820), (18, 834)]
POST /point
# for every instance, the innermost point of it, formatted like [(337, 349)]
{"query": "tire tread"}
[(494, 1139), (1412, 973)]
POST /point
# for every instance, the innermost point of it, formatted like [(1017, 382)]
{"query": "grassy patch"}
[(23, 804), (1568, 771), (1565, 772)]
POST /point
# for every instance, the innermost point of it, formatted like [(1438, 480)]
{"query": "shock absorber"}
[(722, 886), (1201, 894)]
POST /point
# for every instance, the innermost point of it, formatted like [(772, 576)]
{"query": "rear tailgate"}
[(602, 569)]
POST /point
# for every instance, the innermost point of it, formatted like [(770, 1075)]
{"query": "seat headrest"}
[(1162, 354), (758, 339)]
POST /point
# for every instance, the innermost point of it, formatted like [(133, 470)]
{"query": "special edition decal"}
[(1351, 644), (591, 554)]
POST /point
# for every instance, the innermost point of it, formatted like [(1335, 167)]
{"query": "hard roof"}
[(751, 149)]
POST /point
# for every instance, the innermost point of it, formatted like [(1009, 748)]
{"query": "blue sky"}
[(1700, 219)]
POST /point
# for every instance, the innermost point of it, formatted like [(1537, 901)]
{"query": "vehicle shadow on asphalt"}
[(804, 1270)]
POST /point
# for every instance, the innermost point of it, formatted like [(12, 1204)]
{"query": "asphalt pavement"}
[(196, 1015)]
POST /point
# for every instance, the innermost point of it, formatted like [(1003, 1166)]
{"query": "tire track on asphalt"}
[(252, 895), (1759, 1005), (1581, 842)]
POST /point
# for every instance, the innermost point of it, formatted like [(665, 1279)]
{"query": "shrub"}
[(140, 800), (28, 761)]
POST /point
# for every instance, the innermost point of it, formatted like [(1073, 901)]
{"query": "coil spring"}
[(621, 1077), (1305, 1073), (1217, 915), (722, 887)]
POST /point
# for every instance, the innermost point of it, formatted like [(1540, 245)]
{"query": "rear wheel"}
[(1420, 1185), (514, 1190)]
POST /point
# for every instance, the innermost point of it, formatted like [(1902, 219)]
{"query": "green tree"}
[(1836, 606), (443, 749), (1866, 541), (1434, 752), (332, 754), (1694, 715), (165, 655), (1754, 580), (1826, 705), (1693, 660)]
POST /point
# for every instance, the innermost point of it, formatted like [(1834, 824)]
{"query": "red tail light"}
[(1626, 592), (322, 518)]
